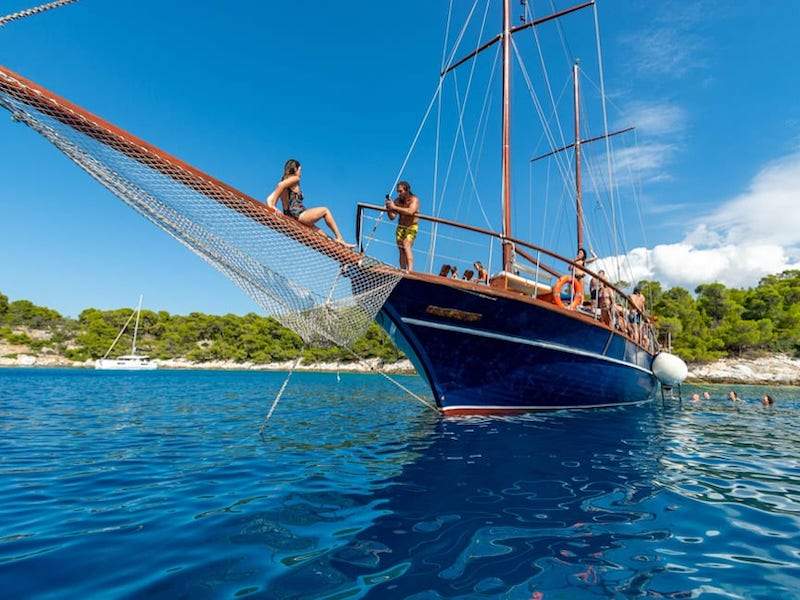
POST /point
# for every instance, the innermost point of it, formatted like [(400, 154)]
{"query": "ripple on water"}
[(160, 485)]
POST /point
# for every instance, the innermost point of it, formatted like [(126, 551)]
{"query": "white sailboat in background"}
[(128, 362)]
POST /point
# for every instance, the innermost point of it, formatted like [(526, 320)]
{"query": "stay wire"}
[(34, 11), (430, 104)]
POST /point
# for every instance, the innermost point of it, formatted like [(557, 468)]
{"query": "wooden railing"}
[(521, 248)]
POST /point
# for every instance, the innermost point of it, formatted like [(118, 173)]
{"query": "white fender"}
[(669, 369)]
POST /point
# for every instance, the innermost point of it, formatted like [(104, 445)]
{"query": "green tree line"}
[(197, 336), (713, 322), (718, 321)]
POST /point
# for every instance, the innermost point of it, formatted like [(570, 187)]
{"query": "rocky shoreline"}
[(779, 369), (769, 370), (369, 365)]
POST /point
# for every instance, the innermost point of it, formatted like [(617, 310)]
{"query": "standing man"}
[(635, 316), (605, 301), (407, 206)]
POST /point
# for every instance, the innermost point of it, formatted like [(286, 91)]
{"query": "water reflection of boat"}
[(501, 506)]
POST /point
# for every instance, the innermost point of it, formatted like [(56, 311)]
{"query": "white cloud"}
[(688, 266), (667, 51), (642, 163), (657, 118), (672, 46), (658, 129), (768, 210), (747, 237)]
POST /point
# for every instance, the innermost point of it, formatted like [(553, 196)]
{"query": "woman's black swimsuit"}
[(294, 204)]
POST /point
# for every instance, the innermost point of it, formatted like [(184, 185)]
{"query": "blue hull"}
[(485, 352)]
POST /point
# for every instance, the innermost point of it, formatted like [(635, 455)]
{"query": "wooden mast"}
[(506, 160), (505, 38), (578, 187)]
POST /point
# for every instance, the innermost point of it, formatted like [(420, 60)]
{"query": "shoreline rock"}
[(778, 369), (402, 367)]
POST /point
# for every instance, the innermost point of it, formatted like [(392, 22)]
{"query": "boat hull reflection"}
[(507, 508)]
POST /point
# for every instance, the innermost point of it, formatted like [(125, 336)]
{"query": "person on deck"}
[(635, 315), (577, 272), (581, 260), (594, 288), (483, 274), (407, 206), (605, 302), (291, 196)]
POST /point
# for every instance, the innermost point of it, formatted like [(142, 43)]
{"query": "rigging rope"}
[(564, 170), (459, 129), (439, 130), (431, 103), (480, 130), (119, 335), (279, 395), (361, 361), (605, 130), (535, 35), (467, 158), (34, 11)]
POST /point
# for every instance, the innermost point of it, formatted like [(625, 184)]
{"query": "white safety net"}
[(308, 282)]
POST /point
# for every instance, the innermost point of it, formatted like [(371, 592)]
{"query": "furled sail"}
[(308, 282)]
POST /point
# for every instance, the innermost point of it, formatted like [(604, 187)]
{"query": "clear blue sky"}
[(236, 88)]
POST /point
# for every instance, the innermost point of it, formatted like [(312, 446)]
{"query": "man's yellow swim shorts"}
[(406, 232)]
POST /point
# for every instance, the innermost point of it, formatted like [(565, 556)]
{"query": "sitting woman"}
[(483, 274), (289, 192)]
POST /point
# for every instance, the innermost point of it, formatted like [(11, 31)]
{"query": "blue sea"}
[(172, 485)]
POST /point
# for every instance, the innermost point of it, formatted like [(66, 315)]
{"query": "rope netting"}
[(308, 282)]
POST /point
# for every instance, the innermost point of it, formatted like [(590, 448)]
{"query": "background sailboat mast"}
[(506, 162), (136, 327), (578, 188)]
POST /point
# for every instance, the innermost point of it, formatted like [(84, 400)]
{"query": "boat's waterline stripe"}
[(525, 341), (540, 406)]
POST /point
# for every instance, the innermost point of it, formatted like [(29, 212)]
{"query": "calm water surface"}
[(160, 485)]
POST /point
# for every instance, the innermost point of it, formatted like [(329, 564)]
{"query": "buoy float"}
[(669, 369), (577, 292)]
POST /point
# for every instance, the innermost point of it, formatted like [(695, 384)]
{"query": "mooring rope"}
[(361, 361), (280, 393)]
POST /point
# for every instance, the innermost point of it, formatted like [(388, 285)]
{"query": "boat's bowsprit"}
[(293, 273)]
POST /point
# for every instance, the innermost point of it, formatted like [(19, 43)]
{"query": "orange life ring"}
[(577, 291)]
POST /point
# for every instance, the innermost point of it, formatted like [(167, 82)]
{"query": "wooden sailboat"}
[(512, 343)]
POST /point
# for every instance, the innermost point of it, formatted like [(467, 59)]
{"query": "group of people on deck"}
[(630, 320), (405, 205), (604, 298)]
